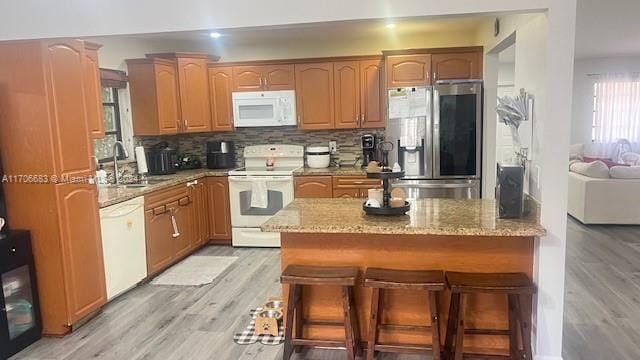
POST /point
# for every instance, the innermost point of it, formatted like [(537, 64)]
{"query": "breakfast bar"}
[(436, 234)]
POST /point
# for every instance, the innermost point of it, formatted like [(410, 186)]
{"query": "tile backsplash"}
[(348, 140)]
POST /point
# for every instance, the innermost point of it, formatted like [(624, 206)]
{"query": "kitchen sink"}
[(138, 184)]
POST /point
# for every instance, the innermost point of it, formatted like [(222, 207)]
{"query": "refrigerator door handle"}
[(436, 133)]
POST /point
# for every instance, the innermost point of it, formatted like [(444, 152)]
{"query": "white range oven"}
[(257, 191), (264, 108)]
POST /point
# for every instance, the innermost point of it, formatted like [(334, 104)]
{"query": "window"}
[(616, 109), (112, 129)]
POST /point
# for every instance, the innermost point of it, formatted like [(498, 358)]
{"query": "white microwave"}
[(264, 108)]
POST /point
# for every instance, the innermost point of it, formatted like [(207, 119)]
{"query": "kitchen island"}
[(445, 234)]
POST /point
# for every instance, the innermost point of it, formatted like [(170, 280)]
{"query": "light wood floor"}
[(602, 312), (602, 287)]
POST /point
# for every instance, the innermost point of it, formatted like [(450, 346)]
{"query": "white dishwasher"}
[(123, 245)]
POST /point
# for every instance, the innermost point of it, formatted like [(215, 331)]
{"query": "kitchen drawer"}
[(354, 182), (165, 196), (347, 193)]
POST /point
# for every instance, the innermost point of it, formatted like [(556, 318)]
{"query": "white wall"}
[(544, 66), (582, 117), (43, 19)]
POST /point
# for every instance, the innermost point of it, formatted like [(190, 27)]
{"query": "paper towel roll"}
[(141, 159)]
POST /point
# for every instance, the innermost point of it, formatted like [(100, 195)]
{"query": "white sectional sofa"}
[(604, 201)]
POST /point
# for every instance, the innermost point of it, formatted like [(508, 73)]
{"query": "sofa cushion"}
[(625, 172), (596, 169), (576, 151)]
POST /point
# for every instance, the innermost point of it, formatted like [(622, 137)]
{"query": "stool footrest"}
[(404, 327), (324, 322), (402, 348), (325, 344), (498, 332)]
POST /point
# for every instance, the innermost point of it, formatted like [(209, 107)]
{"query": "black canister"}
[(221, 155)]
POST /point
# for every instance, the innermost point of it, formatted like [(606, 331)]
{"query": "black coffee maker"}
[(370, 149)]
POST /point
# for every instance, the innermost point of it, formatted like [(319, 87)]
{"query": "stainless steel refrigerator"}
[(437, 136)]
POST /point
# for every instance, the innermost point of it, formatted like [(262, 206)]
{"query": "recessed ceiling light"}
[(390, 26), (215, 35)]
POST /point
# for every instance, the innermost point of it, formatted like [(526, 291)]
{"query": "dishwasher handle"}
[(122, 211)]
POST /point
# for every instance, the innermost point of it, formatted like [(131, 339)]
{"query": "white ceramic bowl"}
[(318, 157)]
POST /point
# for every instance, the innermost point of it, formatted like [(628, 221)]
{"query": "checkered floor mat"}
[(248, 336)]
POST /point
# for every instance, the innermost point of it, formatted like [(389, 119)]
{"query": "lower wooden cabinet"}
[(81, 241), (201, 212), (219, 212), (159, 230), (313, 187)]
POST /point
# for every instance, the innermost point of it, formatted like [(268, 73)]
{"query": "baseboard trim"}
[(543, 357)]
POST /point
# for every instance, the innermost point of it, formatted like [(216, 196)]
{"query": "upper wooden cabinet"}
[(66, 74), (263, 77), (462, 65), (346, 80), (359, 91), (408, 70), (169, 95), (372, 94), (315, 96), (93, 90), (193, 81), (220, 88), (313, 187), (153, 87)]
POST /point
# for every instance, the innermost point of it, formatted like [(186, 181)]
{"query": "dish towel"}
[(259, 194)]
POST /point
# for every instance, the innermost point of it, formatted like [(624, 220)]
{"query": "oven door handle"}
[(250, 179), (433, 186)]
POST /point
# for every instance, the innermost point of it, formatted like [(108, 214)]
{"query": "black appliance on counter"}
[(161, 159), (370, 149), (510, 191), (221, 155), (188, 161), (20, 321)]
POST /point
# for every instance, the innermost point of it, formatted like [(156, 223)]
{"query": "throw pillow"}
[(596, 169), (625, 172), (610, 163)]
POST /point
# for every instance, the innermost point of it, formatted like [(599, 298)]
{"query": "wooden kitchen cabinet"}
[(201, 212), (346, 193), (263, 77), (346, 79), (315, 96), (44, 109), (457, 65), (219, 212), (408, 70), (193, 85), (312, 187), (93, 90), (154, 96), (220, 89), (82, 249), (166, 244), (372, 94)]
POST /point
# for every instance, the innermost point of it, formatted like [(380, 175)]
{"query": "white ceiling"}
[(607, 28)]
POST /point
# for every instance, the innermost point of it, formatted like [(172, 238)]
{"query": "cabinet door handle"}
[(298, 119), (261, 86), (186, 124), (266, 84), (363, 118), (178, 122)]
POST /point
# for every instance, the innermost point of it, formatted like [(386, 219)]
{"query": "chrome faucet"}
[(115, 159)]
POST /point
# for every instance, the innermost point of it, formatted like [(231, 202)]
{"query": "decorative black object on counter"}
[(20, 322), (385, 209)]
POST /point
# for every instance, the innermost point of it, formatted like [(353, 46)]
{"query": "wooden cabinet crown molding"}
[(445, 50), (184, 54), (295, 61)]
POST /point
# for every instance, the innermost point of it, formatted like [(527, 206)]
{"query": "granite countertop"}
[(331, 171), (426, 217), (110, 195)]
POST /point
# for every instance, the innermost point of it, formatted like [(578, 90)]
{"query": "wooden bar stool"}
[(385, 279), (516, 286), (297, 276)]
